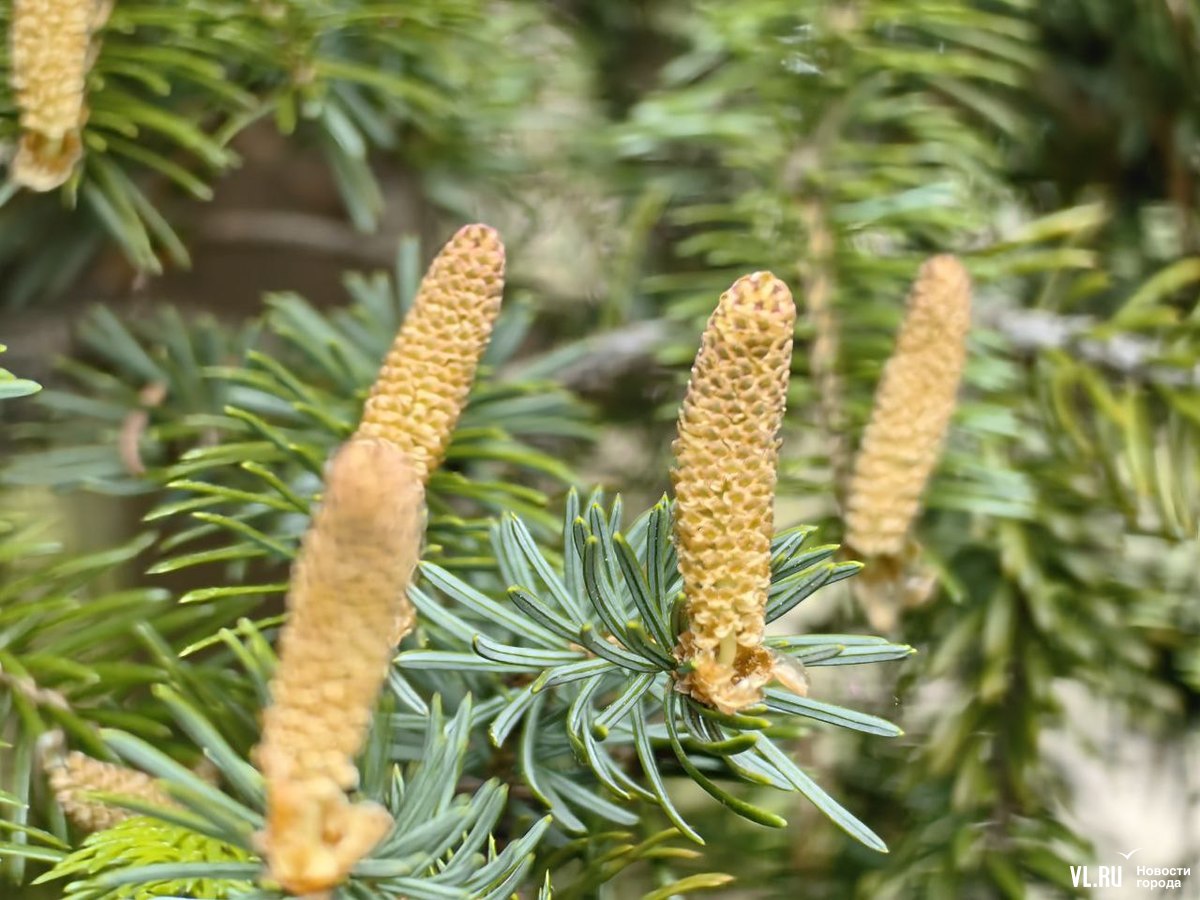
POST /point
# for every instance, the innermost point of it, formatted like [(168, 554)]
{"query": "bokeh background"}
[(244, 159)]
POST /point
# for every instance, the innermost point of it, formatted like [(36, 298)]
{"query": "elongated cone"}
[(73, 776), (347, 606), (424, 382), (915, 399), (726, 455), (52, 51)]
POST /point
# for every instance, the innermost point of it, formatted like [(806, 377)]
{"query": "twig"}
[(1033, 331), (599, 360), (29, 689), (816, 273), (606, 357), (304, 231), (134, 426)]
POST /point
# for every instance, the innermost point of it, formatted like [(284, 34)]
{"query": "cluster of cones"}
[(347, 600)]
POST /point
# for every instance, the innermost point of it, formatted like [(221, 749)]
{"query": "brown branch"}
[(817, 288), (134, 426), (599, 360), (302, 231), (606, 357), (29, 689), (1031, 331)]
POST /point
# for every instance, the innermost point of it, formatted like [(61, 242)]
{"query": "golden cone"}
[(73, 776), (424, 382), (315, 836), (726, 456), (51, 54), (347, 609), (903, 441)]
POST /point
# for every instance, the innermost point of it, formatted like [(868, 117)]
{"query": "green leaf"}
[(11, 387), (737, 805), (843, 819), (790, 704), (613, 653), (531, 769), (690, 884), (651, 606), (527, 658), (486, 608), (645, 753), (607, 607), (631, 695)]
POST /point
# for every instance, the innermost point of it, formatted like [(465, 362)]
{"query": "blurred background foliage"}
[(638, 155)]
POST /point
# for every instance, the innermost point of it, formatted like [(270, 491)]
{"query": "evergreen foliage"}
[(837, 143), (615, 698), (246, 420), (530, 738), (172, 88), (76, 657)]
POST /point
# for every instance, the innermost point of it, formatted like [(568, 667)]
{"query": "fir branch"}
[(584, 632)]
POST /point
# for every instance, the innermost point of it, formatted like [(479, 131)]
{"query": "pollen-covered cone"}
[(903, 440), (51, 54), (424, 382), (347, 594), (724, 478), (74, 776)]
